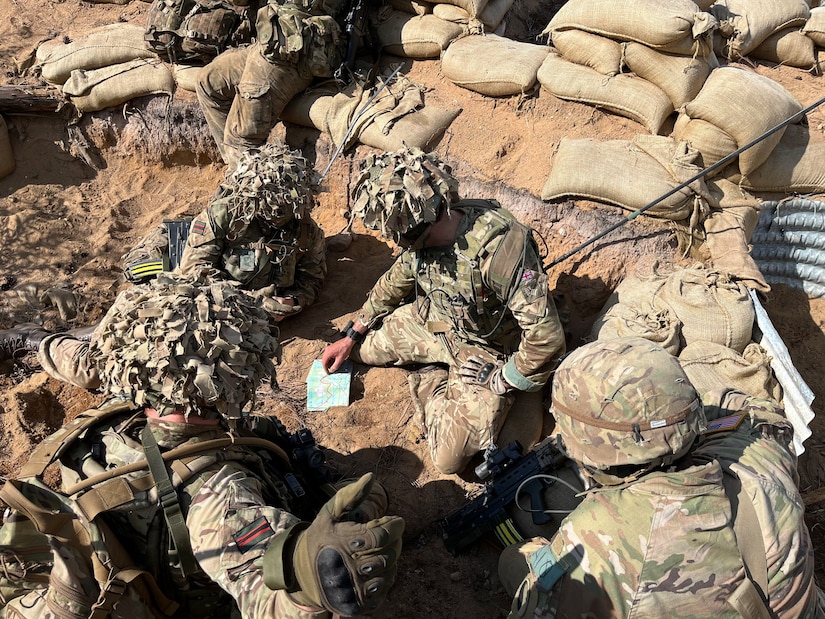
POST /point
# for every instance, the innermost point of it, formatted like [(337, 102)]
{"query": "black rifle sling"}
[(181, 551)]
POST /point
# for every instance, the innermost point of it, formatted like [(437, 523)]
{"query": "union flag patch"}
[(731, 422), (253, 534)]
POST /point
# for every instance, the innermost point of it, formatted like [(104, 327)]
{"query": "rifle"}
[(509, 473), (355, 24), (310, 480)]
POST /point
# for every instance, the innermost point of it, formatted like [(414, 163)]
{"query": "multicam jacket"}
[(220, 482), (664, 546), (293, 258), (489, 289)]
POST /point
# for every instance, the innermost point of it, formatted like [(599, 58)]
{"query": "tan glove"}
[(340, 564), (270, 305), (477, 371)]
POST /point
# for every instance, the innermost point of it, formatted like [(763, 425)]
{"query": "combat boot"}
[(84, 334), (21, 338)]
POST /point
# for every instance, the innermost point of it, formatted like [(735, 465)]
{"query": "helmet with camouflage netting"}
[(271, 183), (178, 344), (400, 193), (625, 402)]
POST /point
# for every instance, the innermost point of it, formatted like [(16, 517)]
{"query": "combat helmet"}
[(625, 406), (399, 193), (180, 344), (271, 183)]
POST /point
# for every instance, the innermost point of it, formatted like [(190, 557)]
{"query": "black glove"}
[(476, 371)]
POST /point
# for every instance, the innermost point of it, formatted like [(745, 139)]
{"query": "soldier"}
[(258, 233), (243, 91), (173, 503), (468, 294), (694, 509)]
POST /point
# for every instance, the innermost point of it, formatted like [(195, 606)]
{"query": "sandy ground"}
[(65, 223)]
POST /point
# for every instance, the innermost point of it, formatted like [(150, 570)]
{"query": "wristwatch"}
[(352, 334)]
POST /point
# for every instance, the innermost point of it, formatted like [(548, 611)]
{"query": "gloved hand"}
[(272, 306), (344, 565), (477, 371)]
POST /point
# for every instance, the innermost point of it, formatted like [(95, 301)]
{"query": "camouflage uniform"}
[(229, 522), (292, 257), (243, 91), (458, 311), (664, 543)]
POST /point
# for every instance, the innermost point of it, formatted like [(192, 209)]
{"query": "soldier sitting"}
[(469, 294), (258, 233), (694, 509), (168, 502)]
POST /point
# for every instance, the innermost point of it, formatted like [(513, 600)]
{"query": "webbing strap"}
[(181, 551), (751, 545)]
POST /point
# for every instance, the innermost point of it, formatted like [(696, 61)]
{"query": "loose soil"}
[(85, 190)]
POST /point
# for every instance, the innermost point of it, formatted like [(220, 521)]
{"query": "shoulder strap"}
[(750, 598)]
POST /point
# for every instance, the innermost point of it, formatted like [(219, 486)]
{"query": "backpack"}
[(91, 568), (190, 30)]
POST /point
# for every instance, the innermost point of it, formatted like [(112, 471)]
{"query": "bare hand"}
[(336, 353)]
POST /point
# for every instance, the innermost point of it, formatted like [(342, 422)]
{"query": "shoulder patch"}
[(731, 422), (253, 534), (199, 227)]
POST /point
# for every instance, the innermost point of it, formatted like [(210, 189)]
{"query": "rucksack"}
[(92, 568), (186, 31)]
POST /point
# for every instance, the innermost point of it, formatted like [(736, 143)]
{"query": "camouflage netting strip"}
[(174, 344), (271, 181), (397, 191)]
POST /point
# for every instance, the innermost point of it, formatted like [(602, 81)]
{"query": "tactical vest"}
[(190, 30), (147, 559), (300, 34), (258, 258), (479, 315)]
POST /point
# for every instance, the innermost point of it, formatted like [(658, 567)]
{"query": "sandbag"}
[(794, 166), (492, 65), (657, 24), (100, 47), (97, 89), (645, 321), (451, 12), (711, 305), (727, 243), (413, 7), (420, 129), (711, 366), (591, 50), (789, 46), (625, 95), (473, 7), (747, 23), (814, 28), (419, 36), (310, 108), (745, 105), (629, 174), (712, 142), (680, 77), (186, 76), (493, 14), (7, 162)]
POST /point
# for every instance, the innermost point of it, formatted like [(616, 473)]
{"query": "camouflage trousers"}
[(459, 419), (242, 94), (66, 358), (222, 513)]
